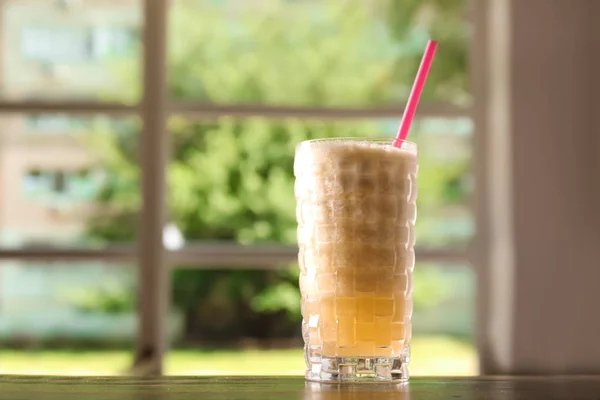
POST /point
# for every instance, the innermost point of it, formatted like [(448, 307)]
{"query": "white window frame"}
[(153, 260)]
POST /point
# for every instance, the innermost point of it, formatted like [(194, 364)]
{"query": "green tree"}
[(231, 179)]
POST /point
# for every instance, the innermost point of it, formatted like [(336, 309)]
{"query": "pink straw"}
[(415, 93)]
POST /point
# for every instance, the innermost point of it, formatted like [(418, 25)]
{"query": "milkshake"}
[(356, 209)]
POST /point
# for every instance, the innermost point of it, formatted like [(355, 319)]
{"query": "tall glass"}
[(356, 210)]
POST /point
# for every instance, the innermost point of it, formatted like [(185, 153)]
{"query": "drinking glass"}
[(356, 210)]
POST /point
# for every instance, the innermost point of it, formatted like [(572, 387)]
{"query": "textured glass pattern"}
[(356, 209)]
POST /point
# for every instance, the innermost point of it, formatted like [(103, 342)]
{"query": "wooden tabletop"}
[(180, 388)]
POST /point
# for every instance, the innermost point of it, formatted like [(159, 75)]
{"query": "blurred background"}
[(247, 80)]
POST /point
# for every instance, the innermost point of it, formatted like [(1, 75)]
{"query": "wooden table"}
[(201, 388)]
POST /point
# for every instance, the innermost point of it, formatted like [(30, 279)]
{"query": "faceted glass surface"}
[(356, 209)]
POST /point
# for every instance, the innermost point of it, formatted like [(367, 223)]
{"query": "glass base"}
[(357, 369)]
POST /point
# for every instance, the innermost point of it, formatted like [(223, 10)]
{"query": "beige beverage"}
[(356, 209)]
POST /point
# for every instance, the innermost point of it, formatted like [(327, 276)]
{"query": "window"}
[(54, 169), (55, 44), (75, 44), (243, 82), (85, 50), (53, 124), (82, 185)]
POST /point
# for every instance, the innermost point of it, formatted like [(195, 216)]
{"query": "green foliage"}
[(335, 52), (231, 179), (415, 21), (429, 288), (115, 299), (116, 147), (283, 295), (241, 170)]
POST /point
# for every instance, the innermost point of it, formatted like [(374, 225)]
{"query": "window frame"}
[(154, 261)]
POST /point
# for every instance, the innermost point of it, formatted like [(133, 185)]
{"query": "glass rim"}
[(411, 146)]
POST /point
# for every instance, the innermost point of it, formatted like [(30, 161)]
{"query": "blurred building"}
[(54, 50), (58, 48)]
